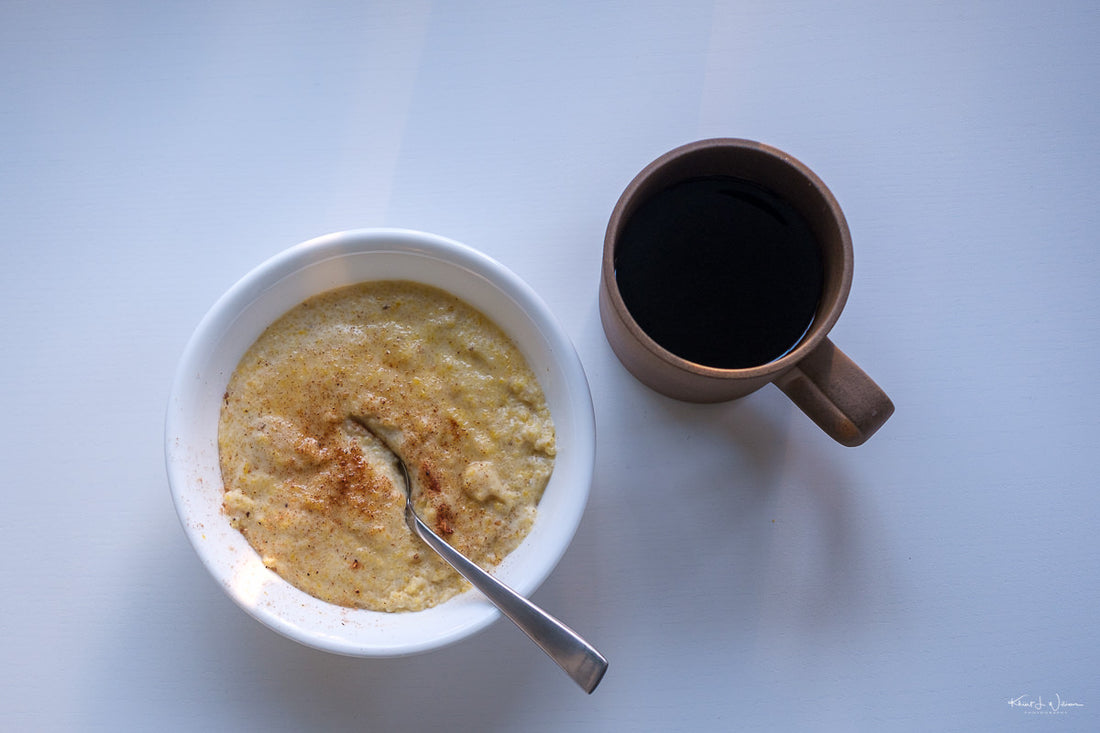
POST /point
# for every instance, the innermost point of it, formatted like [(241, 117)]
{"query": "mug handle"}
[(837, 395)]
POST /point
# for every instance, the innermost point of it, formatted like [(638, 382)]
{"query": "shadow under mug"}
[(820, 379)]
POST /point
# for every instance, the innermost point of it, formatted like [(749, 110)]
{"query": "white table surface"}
[(741, 571)]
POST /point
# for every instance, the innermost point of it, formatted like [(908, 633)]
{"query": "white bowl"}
[(270, 290)]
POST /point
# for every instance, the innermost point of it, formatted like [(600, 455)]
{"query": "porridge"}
[(312, 487)]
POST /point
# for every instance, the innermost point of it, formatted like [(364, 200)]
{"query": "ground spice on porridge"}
[(308, 482)]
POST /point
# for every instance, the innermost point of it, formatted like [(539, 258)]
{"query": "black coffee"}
[(720, 271)]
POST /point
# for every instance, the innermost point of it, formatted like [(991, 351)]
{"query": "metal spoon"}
[(577, 657)]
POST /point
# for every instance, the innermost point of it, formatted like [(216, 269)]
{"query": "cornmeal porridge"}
[(308, 481)]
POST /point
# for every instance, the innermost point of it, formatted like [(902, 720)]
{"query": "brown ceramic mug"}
[(814, 374)]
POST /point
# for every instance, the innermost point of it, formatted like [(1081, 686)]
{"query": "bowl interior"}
[(257, 300)]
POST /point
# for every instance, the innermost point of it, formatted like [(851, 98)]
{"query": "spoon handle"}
[(577, 657)]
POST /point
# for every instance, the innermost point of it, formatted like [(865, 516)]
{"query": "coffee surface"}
[(720, 271)]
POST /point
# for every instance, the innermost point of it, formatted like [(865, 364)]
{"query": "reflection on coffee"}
[(720, 271)]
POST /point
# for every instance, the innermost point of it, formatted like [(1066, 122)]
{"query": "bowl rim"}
[(573, 404)]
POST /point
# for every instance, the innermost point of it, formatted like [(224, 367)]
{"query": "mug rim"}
[(823, 322)]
